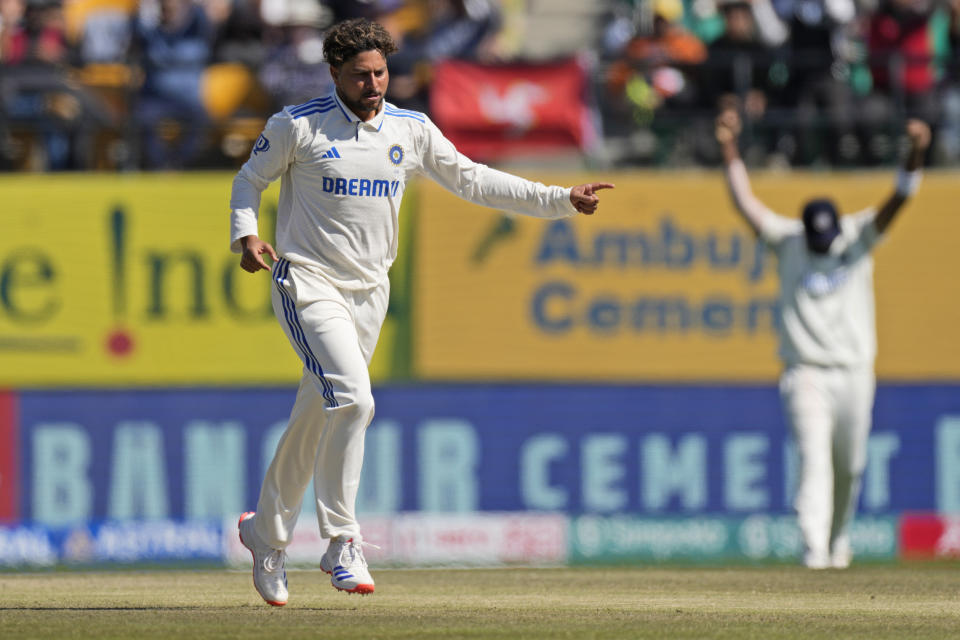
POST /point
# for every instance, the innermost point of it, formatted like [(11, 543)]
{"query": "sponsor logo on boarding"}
[(262, 144), (26, 545), (395, 154), (157, 540), (361, 187), (411, 539), (609, 538), (949, 541)]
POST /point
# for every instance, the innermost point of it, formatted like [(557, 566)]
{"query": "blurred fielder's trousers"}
[(829, 413)]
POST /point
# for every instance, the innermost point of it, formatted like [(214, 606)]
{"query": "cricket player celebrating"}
[(345, 160), (827, 338)]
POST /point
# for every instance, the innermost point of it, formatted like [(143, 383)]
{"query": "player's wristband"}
[(908, 182)]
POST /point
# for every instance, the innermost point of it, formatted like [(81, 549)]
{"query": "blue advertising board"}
[(643, 450), (156, 541)]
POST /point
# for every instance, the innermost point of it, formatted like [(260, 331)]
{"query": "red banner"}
[(929, 536), (9, 458), (490, 111)]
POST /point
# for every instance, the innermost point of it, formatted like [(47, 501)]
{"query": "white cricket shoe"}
[(816, 560), (842, 554), (269, 574), (344, 561)]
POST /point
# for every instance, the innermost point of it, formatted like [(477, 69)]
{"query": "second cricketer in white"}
[(827, 339), (345, 160)]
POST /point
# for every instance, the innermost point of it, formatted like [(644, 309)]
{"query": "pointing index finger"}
[(601, 185)]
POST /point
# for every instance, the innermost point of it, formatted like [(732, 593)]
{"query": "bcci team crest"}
[(396, 154), (262, 144)]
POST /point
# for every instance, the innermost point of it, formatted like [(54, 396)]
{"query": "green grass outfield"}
[(891, 601)]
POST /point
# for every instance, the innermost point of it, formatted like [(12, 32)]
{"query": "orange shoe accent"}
[(362, 589)]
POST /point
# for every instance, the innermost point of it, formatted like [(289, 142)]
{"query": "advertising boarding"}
[(664, 282)]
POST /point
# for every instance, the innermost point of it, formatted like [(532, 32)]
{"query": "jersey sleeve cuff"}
[(240, 228)]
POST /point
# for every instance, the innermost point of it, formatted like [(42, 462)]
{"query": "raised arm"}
[(753, 211), (908, 178)]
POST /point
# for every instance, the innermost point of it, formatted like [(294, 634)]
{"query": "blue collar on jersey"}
[(375, 123)]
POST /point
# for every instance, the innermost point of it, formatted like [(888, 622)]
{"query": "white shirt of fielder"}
[(827, 343), (827, 308), (344, 179)]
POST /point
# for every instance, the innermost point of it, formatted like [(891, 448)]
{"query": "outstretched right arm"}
[(489, 187), (757, 215)]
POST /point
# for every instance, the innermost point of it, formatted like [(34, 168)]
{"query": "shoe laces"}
[(274, 561), (352, 551)]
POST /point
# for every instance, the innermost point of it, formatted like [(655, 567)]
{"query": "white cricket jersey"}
[(826, 301), (343, 180)]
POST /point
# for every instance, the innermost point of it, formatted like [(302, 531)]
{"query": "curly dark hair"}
[(346, 39)]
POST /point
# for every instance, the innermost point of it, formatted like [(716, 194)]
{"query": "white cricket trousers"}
[(829, 413), (334, 332)]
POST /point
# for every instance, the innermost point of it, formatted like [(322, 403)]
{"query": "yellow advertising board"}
[(116, 280), (665, 283), (120, 280)]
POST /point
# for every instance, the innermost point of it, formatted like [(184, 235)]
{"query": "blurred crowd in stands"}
[(818, 81), (170, 84)]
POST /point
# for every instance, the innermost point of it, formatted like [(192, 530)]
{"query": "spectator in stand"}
[(36, 94), (31, 90), (460, 29), (100, 31), (905, 73), (173, 41), (370, 9), (237, 31), (620, 25), (100, 34), (741, 68), (38, 37), (11, 16), (234, 101), (657, 69), (949, 138), (294, 70), (818, 86)]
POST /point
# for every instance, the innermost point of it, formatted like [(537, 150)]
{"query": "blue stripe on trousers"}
[(293, 321), (282, 269)]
